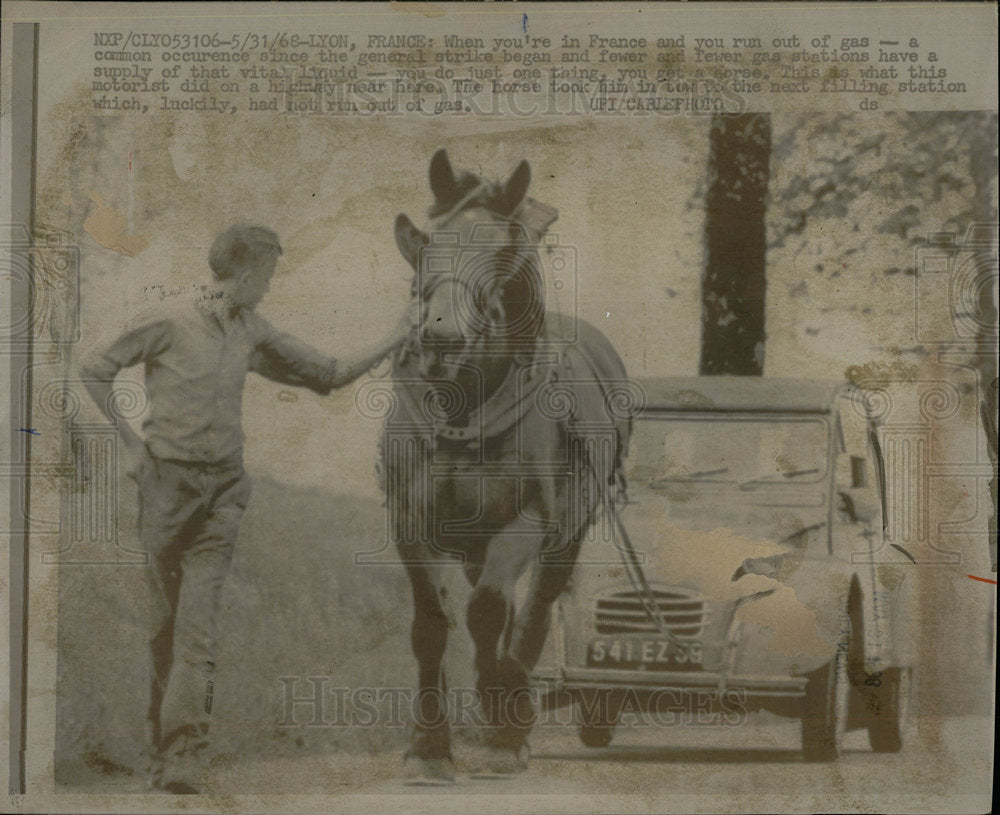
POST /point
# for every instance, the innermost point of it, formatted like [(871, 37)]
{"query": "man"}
[(189, 468)]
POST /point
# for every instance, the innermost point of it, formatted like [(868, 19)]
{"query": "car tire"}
[(886, 707), (824, 714), (596, 735)]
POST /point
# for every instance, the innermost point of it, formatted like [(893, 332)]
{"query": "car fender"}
[(792, 628)]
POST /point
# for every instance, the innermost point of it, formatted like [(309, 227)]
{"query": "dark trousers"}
[(190, 517)]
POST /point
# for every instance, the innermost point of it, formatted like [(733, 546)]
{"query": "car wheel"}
[(596, 735), (886, 707), (824, 716)]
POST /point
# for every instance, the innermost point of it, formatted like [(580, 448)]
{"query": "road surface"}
[(756, 766)]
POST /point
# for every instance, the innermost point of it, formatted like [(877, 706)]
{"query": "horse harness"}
[(509, 403)]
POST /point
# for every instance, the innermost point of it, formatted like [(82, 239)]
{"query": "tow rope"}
[(632, 562)]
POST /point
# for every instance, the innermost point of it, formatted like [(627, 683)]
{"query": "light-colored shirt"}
[(196, 357)]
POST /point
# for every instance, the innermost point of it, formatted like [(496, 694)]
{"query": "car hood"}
[(709, 543), (744, 560)]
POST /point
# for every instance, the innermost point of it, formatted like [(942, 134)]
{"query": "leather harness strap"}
[(506, 406)]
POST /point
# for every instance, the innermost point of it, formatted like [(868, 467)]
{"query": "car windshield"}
[(747, 451)]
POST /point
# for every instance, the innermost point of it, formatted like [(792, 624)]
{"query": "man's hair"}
[(239, 246)]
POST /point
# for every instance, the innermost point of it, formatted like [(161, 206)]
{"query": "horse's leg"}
[(531, 625), (501, 680), (472, 569), (430, 747), (556, 557)]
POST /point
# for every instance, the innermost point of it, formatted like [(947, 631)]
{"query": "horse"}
[(510, 427)]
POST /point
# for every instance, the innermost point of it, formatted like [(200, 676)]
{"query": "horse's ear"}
[(442, 176), (409, 239), (515, 189)]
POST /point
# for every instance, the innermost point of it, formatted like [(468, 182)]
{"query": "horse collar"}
[(504, 408)]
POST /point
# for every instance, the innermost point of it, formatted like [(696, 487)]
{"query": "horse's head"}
[(477, 270)]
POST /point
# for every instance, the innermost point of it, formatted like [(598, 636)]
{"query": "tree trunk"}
[(733, 284)]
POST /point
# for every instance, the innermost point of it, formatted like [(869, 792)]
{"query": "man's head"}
[(242, 259)]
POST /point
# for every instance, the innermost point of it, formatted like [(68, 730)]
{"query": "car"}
[(748, 570)]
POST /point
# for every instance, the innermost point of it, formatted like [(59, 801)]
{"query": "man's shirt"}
[(196, 357)]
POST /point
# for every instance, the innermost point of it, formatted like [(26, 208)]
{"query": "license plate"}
[(644, 654)]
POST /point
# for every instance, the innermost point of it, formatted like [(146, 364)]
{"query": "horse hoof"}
[(493, 761), (429, 771)]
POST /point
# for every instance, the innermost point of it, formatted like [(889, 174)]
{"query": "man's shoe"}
[(180, 766), (181, 788)]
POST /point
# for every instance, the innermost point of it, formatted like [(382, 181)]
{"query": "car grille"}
[(625, 613)]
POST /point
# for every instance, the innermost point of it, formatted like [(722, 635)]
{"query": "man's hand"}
[(350, 368)]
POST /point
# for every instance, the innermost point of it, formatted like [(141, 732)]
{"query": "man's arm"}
[(286, 359), (100, 367), (350, 368)]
